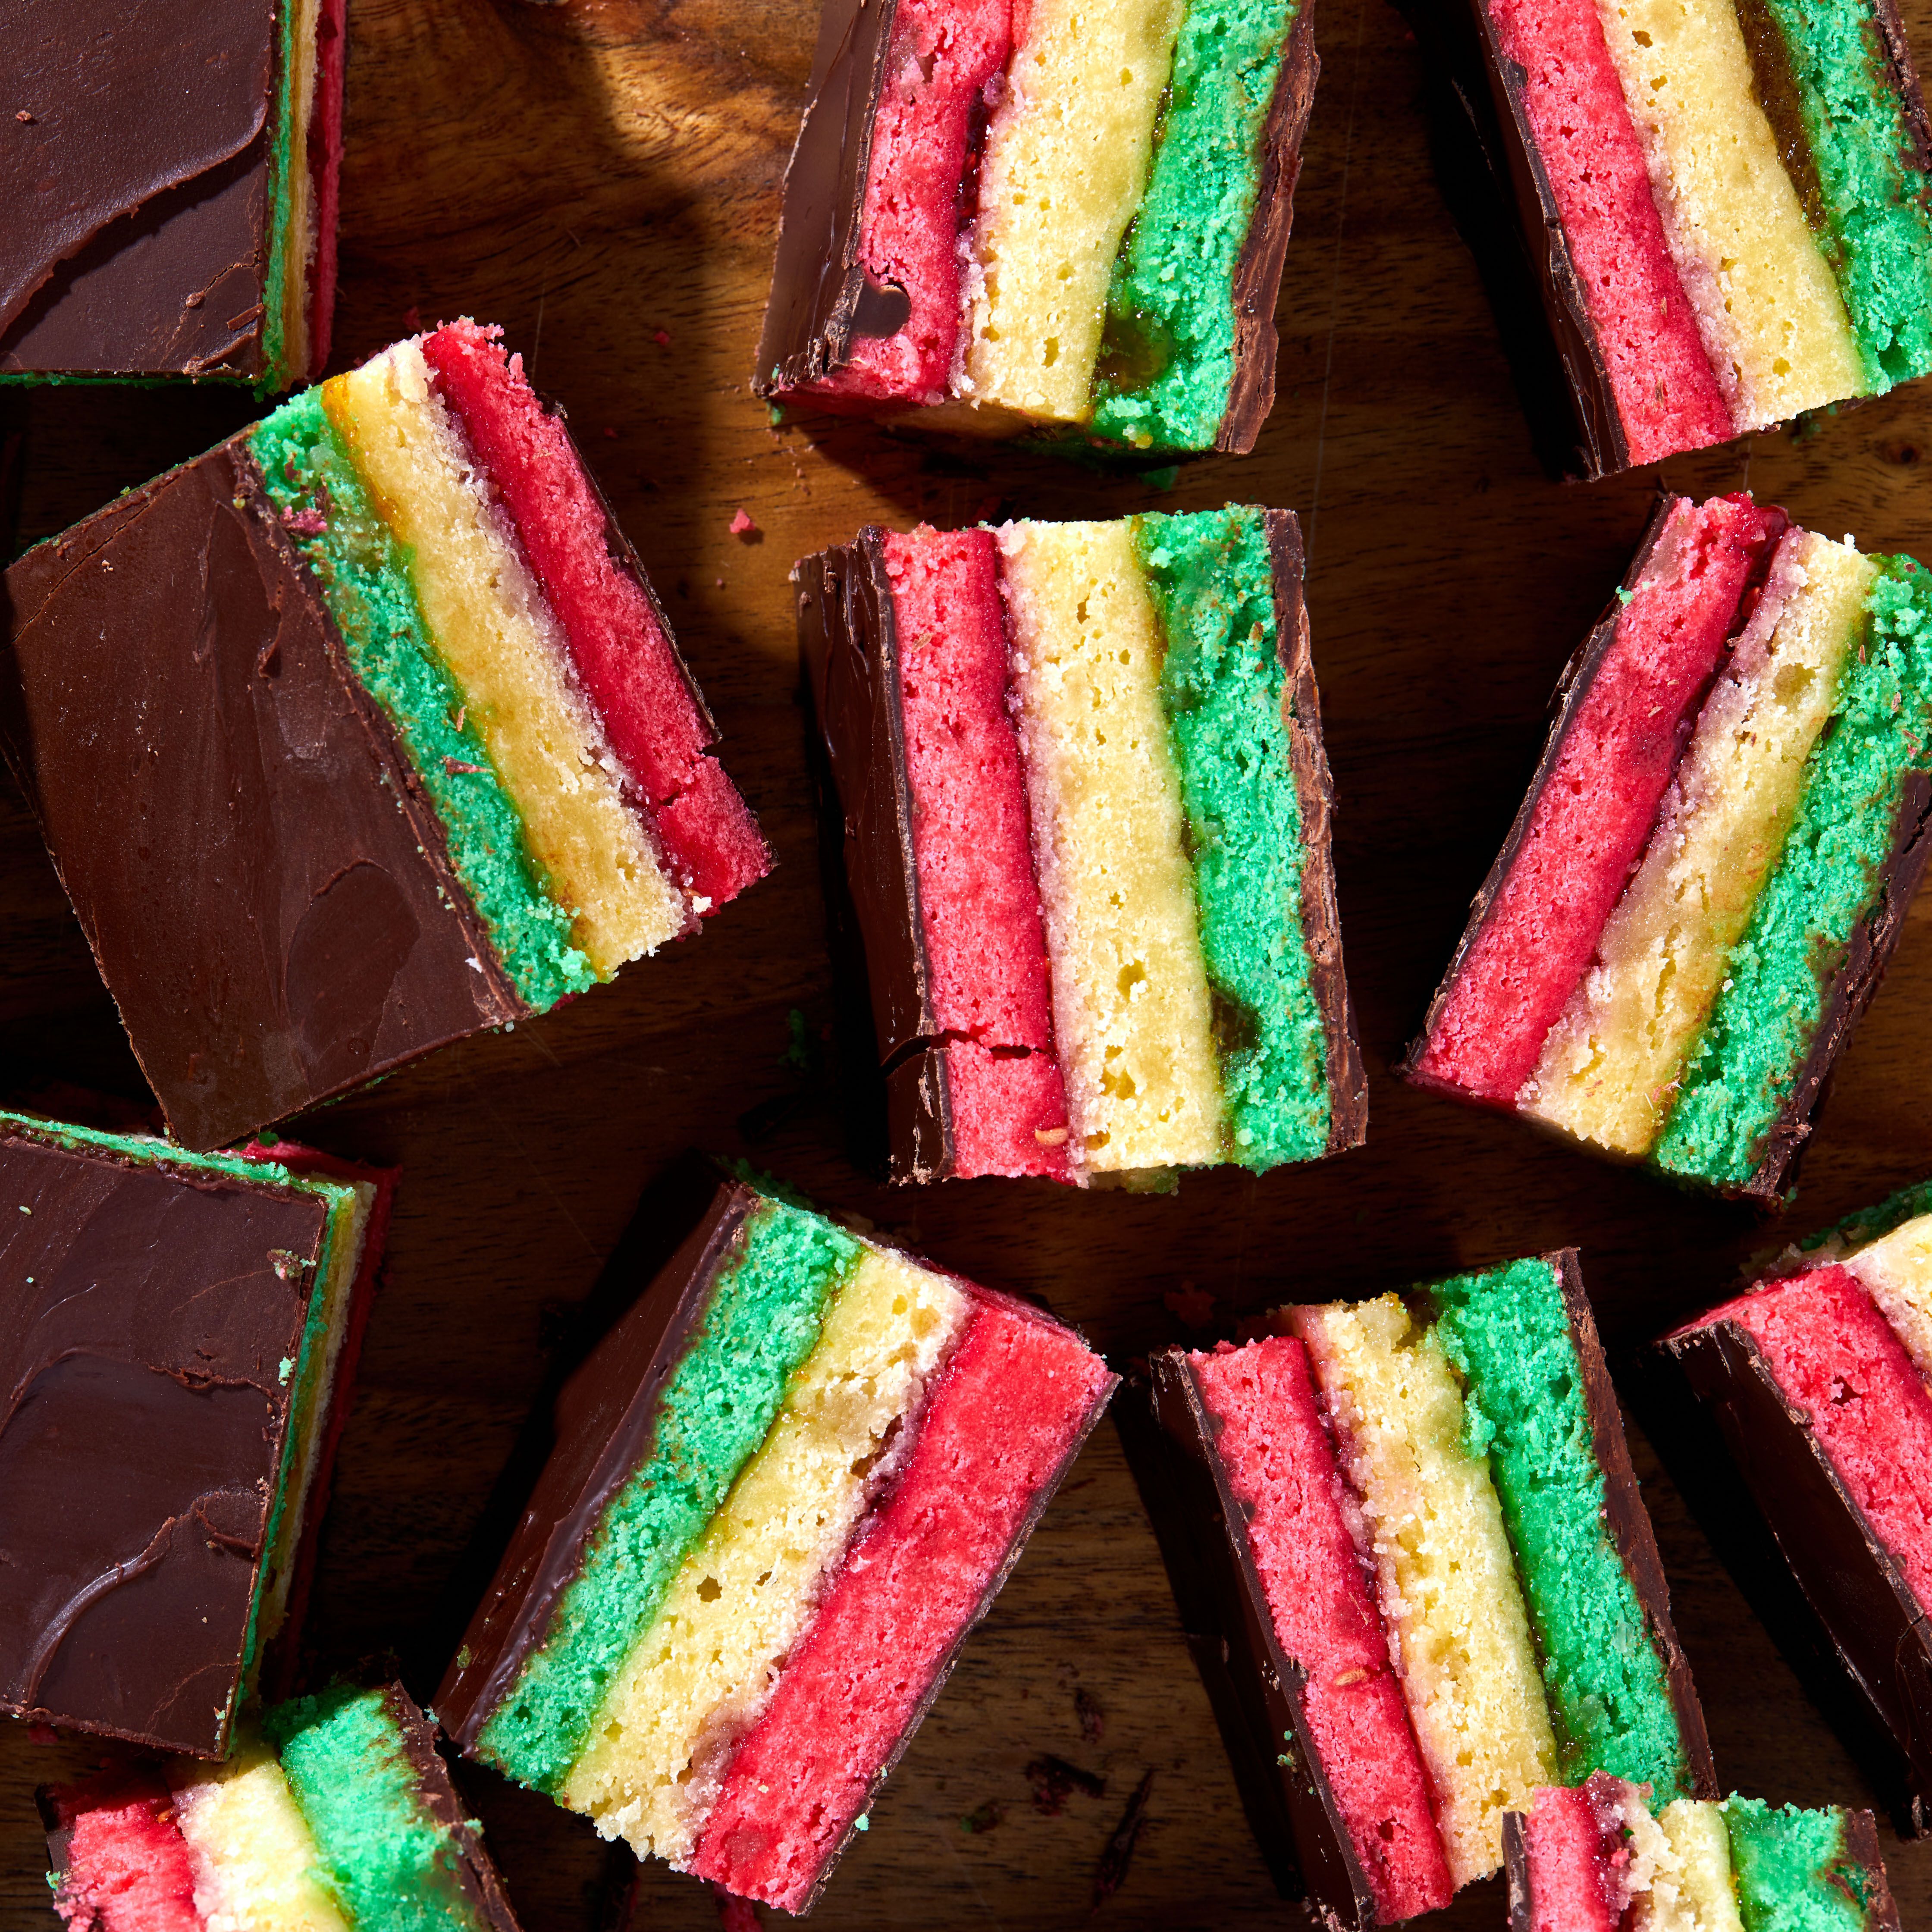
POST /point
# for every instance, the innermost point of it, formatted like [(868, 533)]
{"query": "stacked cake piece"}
[(784, 1488), (1076, 811), (1043, 218), (455, 771), (168, 175), (1813, 1389), (1416, 1576), (1728, 205), (180, 1332), (1702, 890), (1592, 1859), (341, 1817)]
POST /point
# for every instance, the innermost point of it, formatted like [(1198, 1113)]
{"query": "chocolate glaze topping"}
[(145, 1313), (267, 894), (134, 200)]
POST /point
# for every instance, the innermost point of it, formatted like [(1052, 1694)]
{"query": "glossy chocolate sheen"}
[(1861, 1624), (1254, 1688), (605, 1420), (266, 892), (134, 186), (146, 1313)]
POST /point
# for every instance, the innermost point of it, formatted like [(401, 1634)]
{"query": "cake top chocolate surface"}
[(266, 894), (150, 1316), (134, 189)]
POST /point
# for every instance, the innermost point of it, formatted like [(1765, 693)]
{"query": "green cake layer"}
[(1167, 355), (364, 574), (1826, 880), (1222, 685), (1794, 1872), (283, 157), (763, 1318), (1873, 224), (1508, 1334)]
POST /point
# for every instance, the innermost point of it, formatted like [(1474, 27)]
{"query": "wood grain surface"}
[(601, 176)]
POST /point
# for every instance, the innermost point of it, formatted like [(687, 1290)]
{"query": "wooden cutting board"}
[(601, 177)]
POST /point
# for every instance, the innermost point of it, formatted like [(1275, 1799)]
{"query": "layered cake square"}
[(168, 190), (1076, 812), (361, 733), (1592, 1858), (784, 1488), (1042, 221), (1416, 1577), (339, 1816), (1699, 218), (1809, 1415), (180, 1332), (1702, 890)]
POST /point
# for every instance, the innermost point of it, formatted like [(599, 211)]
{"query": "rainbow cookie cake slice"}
[(1701, 217), (168, 190), (1593, 1858), (180, 1334), (1416, 1577), (1810, 1421), (1702, 888), (361, 733), (1042, 219), (340, 1816), (1076, 813), (784, 1488)]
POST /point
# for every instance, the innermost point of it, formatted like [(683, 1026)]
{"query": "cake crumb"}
[(1192, 1307), (1055, 1780), (25, 119), (1112, 1873), (743, 526), (662, 337), (1093, 1719), (412, 318), (983, 1818), (42, 1734)]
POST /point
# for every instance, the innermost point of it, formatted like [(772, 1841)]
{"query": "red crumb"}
[(662, 337), (1577, 1861), (618, 642), (413, 318), (1282, 1465), (742, 524), (42, 1734), (1588, 823), (309, 522), (972, 842), (1000, 1420), (734, 1915), (128, 1864), (23, 116), (460, 765), (1192, 1307)]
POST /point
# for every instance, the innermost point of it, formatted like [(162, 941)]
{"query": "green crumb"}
[(1872, 215), (1624, 594), (365, 577), (766, 1309), (391, 1862), (862, 1823), (1826, 882), (1167, 355), (1795, 1872), (1162, 479), (1508, 1334), (286, 1369), (1212, 580)]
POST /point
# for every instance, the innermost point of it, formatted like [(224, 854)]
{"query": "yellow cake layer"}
[(256, 1868), (298, 229), (1896, 1271), (1768, 307), (507, 655), (1609, 1068), (1444, 1572), (1131, 1012), (699, 1676), (1681, 1869), (1066, 163)]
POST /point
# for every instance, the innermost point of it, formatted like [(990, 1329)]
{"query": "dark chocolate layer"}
[(1255, 1689), (265, 891), (1516, 1873), (605, 1419), (134, 187), (1861, 1623), (146, 1316), (1314, 791), (821, 294)]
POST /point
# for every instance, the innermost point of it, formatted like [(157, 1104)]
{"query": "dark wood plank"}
[(594, 172)]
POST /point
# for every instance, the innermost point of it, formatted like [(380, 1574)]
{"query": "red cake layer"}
[(324, 166), (1002, 1420), (978, 902), (617, 642), (1589, 820), (127, 1868), (1834, 1355), (943, 55), (1281, 1463), (1578, 1859), (1666, 394)]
